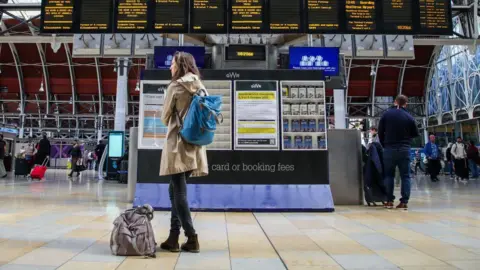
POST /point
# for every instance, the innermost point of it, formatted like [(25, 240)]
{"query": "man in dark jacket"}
[(396, 130), (99, 152), (473, 158)]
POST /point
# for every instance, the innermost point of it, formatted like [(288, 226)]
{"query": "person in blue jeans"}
[(433, 153), (396, 130)]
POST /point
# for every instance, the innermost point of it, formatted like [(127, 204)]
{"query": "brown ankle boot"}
[(192, 244), (171, 244)]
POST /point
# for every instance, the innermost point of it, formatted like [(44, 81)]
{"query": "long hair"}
[(185, 63)]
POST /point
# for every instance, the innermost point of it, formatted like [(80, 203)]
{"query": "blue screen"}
[(317, 58), (163, 55), (115, 145)]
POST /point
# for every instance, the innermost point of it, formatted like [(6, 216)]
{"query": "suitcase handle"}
[(44, 163)]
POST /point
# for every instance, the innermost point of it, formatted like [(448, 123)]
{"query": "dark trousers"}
[(74, 166), (461, 169), (181, 216), (434, 168), (418, 165), (393, 158)]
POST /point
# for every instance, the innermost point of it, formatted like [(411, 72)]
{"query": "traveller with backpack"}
[(459, 155), (187, 112)]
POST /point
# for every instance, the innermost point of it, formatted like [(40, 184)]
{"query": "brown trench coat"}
[(179, 156)]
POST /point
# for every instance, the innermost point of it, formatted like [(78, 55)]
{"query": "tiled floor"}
[(62, 224)]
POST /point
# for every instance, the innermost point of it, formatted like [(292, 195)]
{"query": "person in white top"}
[(459, 156)]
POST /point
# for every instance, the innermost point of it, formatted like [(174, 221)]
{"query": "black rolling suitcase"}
[(123, 172), (22, 167), (373, 176)]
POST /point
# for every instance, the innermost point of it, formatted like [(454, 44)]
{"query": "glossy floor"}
[(62, 224)]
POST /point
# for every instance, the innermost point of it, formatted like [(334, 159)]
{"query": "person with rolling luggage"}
[(433, 154), (76, 156)]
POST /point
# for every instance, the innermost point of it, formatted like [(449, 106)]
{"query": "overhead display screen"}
[(131, 15), (57, 16), (247, 16), (435, 16), (315, 58), (402, 17), (245, 52), (171, 16), (398, 16), (285, 16), (95, 16), (208, 16), (361, 16), (323, 16)]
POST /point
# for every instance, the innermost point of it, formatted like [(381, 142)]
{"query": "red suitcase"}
[(39, 171)]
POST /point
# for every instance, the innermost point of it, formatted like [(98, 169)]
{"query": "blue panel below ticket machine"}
[(116, 151)]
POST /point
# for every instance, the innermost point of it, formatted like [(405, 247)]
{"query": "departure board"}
[(323, 16), (131, 16), (285, 16), (208, 16), (57, 16), (435, 17), (95, 16), (398, 16), (247, 16), (171, 16), (361, 16)]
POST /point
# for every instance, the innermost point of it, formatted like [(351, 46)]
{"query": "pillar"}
[(339, 108), (122, 94)]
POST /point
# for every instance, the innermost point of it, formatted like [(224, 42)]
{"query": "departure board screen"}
[(95, 16), (435, 17), (247, 16), (361, 16), (398, 16), (245, 52), (57, 16), (171, 16), (323, 16), (131, 15), (208, 16), (285, 16)]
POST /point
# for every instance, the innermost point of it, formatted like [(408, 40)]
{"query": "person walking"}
[(433, 154), (418, 161), (99, 149), (180, 160), (3, 150), (459, 155), (449, 160), (43, 151), (76, 156), (473, 158), (396, 130)]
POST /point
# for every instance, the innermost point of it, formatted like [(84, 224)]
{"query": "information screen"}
[(115, 145), (285, 16), (171, 16), (57, 15), (398, 16), (323, 16), (131, 15), (245, 52), (435, 17), (247, 16), (208, 16), (361, 16), (95, 16)]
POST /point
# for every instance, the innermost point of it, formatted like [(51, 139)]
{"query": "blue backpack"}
[(201, 120)]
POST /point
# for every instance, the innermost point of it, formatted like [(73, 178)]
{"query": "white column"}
[(339, 108), (122, 94)]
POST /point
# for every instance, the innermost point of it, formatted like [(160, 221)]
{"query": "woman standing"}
[(180, 160)]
